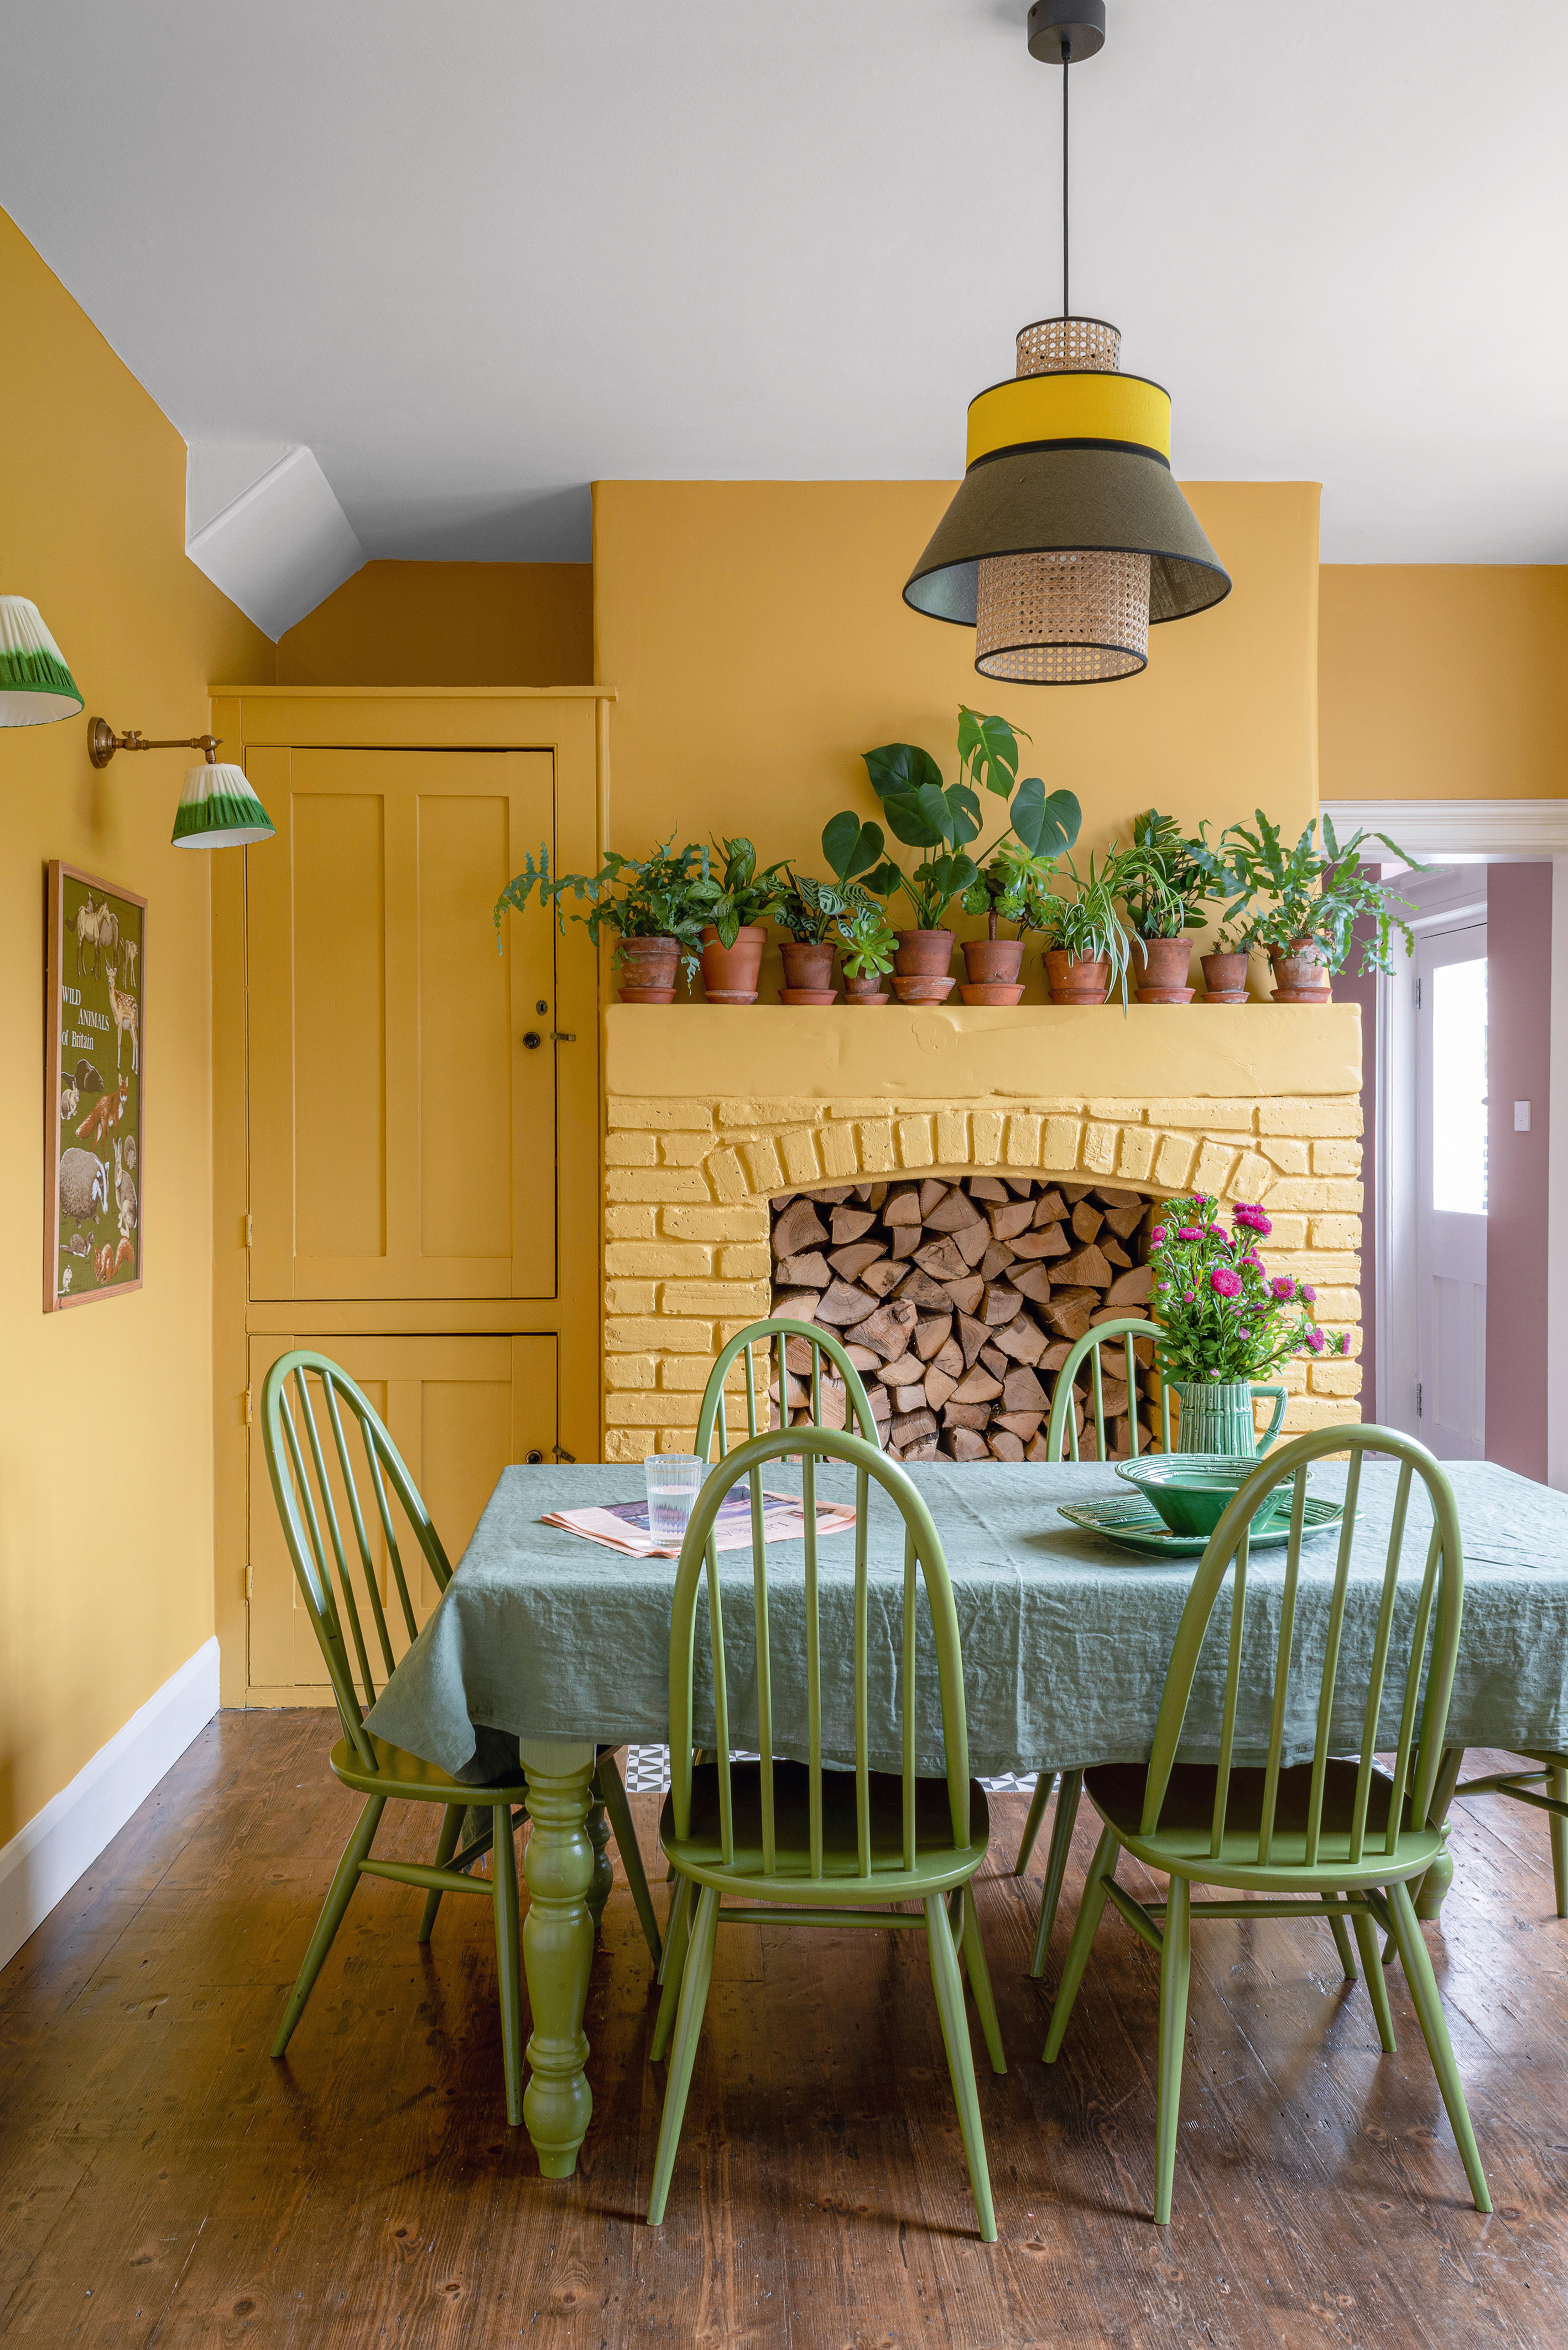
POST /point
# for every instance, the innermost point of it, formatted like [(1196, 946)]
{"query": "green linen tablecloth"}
[(1065, 1637)]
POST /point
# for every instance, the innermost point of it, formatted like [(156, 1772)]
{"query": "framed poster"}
[(95, 970)]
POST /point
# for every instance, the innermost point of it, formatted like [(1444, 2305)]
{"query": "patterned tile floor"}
[(648, 1773)]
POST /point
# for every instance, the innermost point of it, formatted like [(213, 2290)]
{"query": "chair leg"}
[(1417, 1961), (1341, 1944), (357, 1849), (508, 1958), (682, 1889), (1377, 1981), (972, 1950), (695, 1977), (1068, 1794), (1174, 1967), (446, 1844), (1101, 1868), (612, 1787), (960, 2058), (1557, 1785), (1045, 1781), (677, 1943)]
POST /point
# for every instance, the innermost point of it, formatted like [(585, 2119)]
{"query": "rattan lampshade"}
[(1069, 534)]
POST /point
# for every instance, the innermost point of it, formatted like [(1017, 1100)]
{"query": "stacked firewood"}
[(959, 1301)]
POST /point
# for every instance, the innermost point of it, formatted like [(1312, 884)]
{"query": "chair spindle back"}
[(302, 1487), (923, 1561), (1062, 1427), (776, 1336), (1438, 1606)]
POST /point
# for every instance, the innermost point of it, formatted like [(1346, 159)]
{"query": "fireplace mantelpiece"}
[(711, 1111)]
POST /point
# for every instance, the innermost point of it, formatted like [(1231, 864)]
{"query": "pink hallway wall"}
[(1518, 1038), (1351, 987)]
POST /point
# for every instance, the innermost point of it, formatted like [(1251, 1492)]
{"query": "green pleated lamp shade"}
[(218, 809), (36, 686)]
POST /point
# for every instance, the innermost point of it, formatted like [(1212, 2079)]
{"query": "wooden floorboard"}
[(163, 2183)]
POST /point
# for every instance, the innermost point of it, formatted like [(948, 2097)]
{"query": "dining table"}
[(547, 1650)]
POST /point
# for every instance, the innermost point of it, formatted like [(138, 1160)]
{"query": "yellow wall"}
[(448, 624), (1444, 680), (756, 637), (105, 1414)]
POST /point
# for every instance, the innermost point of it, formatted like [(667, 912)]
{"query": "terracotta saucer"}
[(923, 991), (647, 995), (1304, 996), (991, 991), (1166, 995), (1072, 995), (807, 994), (1226, 995), (727, 995)]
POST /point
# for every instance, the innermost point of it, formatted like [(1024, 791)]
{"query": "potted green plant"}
[(1087, 950), (869, 947), (1015, 886), (735, 933), (1225, 967), (807, 909), (657, 908), (1308, 900), (1224, 1324), (1167, 877), (941, 820)]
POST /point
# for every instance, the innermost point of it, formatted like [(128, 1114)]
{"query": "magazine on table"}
[(623, 1525)]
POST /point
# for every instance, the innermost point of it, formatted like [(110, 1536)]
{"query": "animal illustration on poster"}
[(95, 997)]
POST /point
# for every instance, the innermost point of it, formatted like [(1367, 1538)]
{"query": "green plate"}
[(1137, 1526)]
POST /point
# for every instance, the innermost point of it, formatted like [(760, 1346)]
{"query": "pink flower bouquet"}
[(1223, 1317)]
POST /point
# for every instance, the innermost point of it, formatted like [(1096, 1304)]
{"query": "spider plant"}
[(1087, 925)]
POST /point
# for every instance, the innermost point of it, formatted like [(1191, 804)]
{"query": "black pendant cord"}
[(1066, 68)]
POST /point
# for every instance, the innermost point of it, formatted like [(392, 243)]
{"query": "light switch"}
[(1521, 1117)]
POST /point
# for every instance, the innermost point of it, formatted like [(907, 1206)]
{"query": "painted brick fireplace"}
[(712, 1111)]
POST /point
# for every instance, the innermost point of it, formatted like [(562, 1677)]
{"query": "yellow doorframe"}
[(573, 722)]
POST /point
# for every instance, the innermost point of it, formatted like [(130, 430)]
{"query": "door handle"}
[(532, 1040)]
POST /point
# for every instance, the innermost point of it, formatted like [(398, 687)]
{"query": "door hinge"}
[(250, 1581), (249, 1230), (1417, 1398), (1417, 995), (247, 1406)]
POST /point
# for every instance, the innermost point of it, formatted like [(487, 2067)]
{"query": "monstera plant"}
[(944, 822)]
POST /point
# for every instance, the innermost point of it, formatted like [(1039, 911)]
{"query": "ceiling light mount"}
[(1066, 32)]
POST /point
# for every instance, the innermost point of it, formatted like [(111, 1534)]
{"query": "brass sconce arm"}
[(103, 742)]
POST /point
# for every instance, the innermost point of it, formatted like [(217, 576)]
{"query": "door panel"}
[(402, 1140), (1450, 1190), (458, 1409)]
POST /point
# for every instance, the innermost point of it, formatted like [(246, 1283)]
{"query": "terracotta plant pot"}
[(647, 969), (989, 991), (730, 974), (991, 962), (1300, 976), (924, 954), (921, 990), (872, 989), (1225, 978), (808, 963), (1077, 979), (1161, 966)]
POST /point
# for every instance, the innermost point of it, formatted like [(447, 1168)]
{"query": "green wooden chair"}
[(797, 1845), (369, 1765), (1551, 1774), (777, 1334), (1335, 1837), (1062, 1431)]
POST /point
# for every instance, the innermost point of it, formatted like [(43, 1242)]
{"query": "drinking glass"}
[(674, 1481)]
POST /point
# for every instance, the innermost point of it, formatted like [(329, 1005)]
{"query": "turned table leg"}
[(598, 1835), (1434, 1885), (558, 1949)]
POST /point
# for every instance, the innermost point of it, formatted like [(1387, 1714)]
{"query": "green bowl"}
[(1191, 1491)]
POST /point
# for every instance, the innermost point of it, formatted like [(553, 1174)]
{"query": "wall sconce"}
[(217, 807), (36, 686)]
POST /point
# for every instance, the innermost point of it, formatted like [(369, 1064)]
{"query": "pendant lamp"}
[(36, 686), (1067, 536)]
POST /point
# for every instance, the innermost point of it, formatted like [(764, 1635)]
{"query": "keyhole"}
[(541, 1005)]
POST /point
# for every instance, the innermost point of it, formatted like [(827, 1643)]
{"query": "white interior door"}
[(1450, 971)]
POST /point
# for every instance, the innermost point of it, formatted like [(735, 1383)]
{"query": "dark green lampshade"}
[(218, 809), (36, 686)]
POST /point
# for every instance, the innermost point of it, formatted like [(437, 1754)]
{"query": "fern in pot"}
[(738, 901), (657, 906), (1302, 904), (1168, 878)]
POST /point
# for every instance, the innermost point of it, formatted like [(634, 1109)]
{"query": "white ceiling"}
[(474, 255)]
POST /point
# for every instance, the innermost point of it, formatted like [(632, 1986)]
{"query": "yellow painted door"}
[(458, 1410), (402, 1133)]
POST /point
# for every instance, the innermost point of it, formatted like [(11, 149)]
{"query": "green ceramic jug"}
[(1216, 1416)]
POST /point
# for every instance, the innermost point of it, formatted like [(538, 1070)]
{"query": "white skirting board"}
[(44, 1860)]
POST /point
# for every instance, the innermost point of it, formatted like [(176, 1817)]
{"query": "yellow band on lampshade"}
[(1125, 408)]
